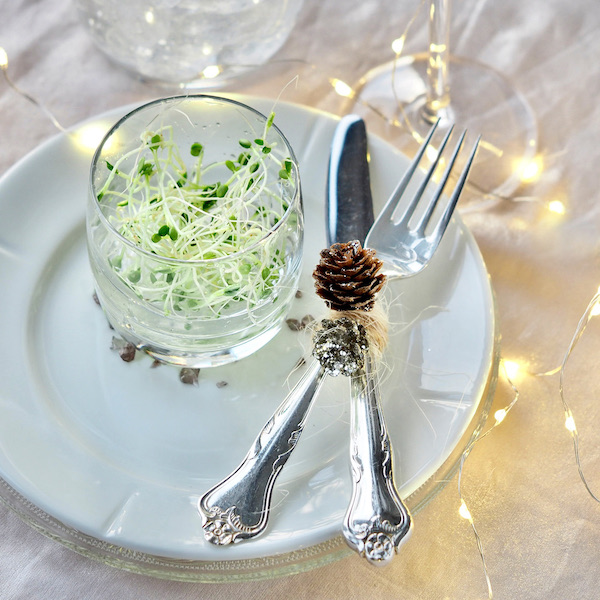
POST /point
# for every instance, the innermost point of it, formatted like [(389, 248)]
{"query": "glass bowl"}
[(195, 229), (196, 44)]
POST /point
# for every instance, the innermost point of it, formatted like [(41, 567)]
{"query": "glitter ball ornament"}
[(340, 346), (348, 277)]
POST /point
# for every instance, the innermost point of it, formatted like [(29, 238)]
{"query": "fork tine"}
[(390, 206), (410, 209), (424, 220), (440, 228)]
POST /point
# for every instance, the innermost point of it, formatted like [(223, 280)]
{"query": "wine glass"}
[(401, 99)]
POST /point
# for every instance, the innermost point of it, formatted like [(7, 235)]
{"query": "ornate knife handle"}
[(377, 521), (238, 507)]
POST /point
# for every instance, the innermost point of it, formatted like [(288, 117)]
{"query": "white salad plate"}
[(110, 458)]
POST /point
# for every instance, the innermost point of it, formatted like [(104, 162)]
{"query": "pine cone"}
[(347, 277)]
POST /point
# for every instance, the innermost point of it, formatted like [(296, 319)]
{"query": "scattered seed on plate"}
[(189, 375), (125, 349), (299, 294), (306, 320), (221, 384), (293, 324)]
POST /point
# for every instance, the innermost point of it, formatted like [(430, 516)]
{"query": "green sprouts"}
[(209, 223)]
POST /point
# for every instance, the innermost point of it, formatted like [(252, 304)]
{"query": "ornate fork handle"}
[(377, 521), (238, 507)]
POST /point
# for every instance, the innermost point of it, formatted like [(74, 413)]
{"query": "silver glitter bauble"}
[(340, 346)]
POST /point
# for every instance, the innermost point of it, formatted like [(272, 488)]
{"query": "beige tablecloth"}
[(539, 528)]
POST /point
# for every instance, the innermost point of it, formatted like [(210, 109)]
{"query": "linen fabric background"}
[(539, 528)]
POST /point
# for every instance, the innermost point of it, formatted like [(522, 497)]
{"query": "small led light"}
[(398, 44), (211, 71), (530, 170), (500, 415), (149, 16), (511, 368), (570, 423), (464, 512), (3, 59), (342, 88), (90, 136), (437, 48), (556, 206)]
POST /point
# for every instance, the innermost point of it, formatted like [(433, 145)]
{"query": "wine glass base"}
[(392, 100)]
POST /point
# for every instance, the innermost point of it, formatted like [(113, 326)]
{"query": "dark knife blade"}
[(349, 201)]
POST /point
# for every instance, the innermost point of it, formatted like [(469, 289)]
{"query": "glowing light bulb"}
[(570, 423), (342, 88), (511, 368), (398, 45), (149, 16), (211, 71), (3, 59), (437, 48), (464, 512), (556, 206), (500, 415), (530, 170), (89, 137)]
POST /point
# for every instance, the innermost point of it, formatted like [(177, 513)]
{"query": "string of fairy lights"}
[(28, 97), (463, 509), (528, 172)]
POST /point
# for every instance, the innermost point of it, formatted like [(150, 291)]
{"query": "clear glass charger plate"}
[(110, 458)]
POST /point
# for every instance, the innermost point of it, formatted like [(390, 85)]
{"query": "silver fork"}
[(377, 522), (406, 247), (238, 507)]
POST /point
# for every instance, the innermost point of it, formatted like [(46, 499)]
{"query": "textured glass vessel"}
[(193, 43), (195, 229)]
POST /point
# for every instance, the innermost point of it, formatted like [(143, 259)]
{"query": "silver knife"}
[(349, 208), (377, 521)]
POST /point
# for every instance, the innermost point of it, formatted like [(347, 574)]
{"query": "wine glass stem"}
[(437, 88)]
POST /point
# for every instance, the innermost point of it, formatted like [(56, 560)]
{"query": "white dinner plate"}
[(110, 458)]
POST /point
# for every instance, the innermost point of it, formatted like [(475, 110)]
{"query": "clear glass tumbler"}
[(195, 229), (198, 44)]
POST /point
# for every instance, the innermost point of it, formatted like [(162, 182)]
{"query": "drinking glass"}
[(196, 44), (195, 229), (412, 92)]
